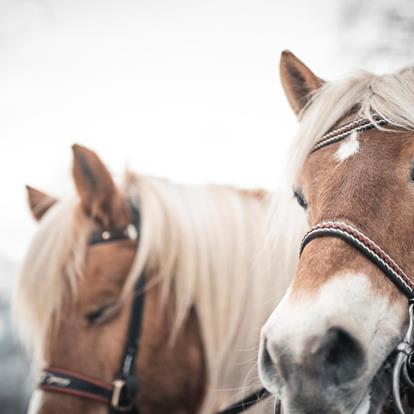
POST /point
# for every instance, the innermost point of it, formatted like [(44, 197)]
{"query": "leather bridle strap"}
[(360, 241), (73, 383), (127, 383)]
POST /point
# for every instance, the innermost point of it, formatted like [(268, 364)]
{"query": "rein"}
[(120, 395), (355, 237)]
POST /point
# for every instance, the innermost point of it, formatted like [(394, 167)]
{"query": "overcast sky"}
[(186, 89)]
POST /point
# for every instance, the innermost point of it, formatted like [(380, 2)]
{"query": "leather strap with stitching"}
[(338, 134), (357, 239)]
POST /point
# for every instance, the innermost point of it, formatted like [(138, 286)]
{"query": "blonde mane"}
[(208, 246)]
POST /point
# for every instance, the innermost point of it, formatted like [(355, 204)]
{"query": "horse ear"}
[(39, 202), (298, 81), (95, 185)]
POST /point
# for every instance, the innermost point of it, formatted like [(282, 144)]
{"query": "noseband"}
[(350, 234)]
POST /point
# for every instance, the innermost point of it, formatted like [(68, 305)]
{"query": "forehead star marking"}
[(348, 148)]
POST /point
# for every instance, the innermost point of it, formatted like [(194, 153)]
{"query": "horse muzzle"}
[(326, 377)]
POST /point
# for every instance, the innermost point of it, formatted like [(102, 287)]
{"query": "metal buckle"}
[(119, 386)]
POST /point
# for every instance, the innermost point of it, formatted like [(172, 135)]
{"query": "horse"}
[(330, 344), (178, 273)]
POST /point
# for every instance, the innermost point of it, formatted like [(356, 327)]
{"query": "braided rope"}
[(348, 233), (360, 124)]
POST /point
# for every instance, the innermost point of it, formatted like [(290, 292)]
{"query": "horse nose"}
[(335, 357)]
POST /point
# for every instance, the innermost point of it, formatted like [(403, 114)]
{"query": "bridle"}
[(120, 395), (356, 238)]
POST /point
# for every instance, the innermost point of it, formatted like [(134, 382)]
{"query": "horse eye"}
[(412, 173), (101, 314), (300, 199), (95, 315)]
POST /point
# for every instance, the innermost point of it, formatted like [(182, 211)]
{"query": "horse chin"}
[(375, 400)]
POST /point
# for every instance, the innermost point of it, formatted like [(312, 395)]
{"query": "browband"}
[(358, 125)]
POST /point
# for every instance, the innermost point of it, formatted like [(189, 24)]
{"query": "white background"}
[(183, 89)]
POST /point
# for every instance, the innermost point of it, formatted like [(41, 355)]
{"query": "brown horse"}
[(206, 293), (326, 347)]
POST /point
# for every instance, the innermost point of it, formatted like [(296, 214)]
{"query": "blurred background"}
[(186, 89)]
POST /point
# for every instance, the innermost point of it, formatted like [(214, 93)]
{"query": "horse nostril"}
[(268, 352), (266, 358), (339, 356), (267, 366)]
